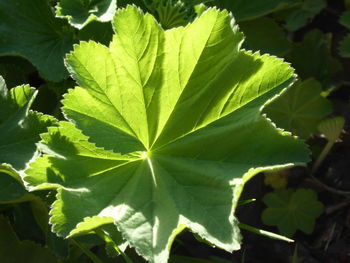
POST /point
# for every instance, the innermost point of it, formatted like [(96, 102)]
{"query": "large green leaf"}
[(29, 29), (300, 109), (177, 113), (81, 12), (19, 127), (12, 250)]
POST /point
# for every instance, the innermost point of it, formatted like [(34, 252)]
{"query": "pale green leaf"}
[(300, 109), (29, 29), (81, 12), (177, 116)]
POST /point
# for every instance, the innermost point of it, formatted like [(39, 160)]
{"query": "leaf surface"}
[(29, 29), (81, 12), (170, 130)]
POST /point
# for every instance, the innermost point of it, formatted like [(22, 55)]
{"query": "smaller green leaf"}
[(344, 47), (14, 250), (81, 12), (300, 109), (266, 35), (19, 127), (292, 210), (313, 58), (331, 128), (30, 30), (301, 15), (345, 19), (10, 188)]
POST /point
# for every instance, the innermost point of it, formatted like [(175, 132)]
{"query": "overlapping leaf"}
[(19, 127), (177, 116), (29, 29), (81, 12)]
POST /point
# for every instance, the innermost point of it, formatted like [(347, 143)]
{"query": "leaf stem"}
[(87, 252), (264, 233), (110, 241), (323, 155)]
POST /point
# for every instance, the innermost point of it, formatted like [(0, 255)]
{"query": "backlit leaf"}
[(170, 130)]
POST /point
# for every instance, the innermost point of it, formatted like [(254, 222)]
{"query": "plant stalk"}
[(87, 252)]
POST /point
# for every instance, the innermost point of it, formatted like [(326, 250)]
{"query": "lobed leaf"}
[(169, 131), (292, 210)]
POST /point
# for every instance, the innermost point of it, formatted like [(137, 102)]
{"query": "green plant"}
[(169, 140), (170, 118)]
